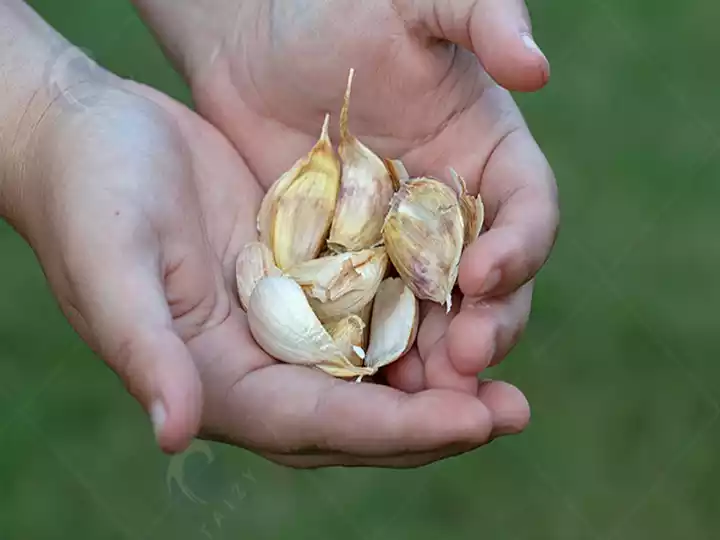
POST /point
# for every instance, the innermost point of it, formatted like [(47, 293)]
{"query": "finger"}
[(432, 349), (407, 374), (119, 291), (484, 332), (510, 415), (497, 31), (431, 362), (286, 409), (407, 461), (440, 372), (523, 221), (510, 408)]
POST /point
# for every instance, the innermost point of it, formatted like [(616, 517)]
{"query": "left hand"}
[(427, 90)]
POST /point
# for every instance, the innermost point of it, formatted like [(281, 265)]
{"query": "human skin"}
[(137, 207), (430, 88)]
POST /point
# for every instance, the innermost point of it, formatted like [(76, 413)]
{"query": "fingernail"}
[(158, 415), (505, 430), (508, 422), (531, 45), (491, 281)]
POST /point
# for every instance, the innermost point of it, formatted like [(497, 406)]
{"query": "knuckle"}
[(516, 260), (553, 219), (490, 340), (517, 331), (121, 356), (127, 357)]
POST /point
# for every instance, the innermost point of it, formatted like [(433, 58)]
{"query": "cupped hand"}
[(425, 91), (137, 209)]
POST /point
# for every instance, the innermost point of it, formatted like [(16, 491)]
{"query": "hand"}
[(268, 72), (137, 209)]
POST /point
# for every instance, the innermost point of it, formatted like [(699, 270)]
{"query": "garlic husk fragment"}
[(341, 284), (297, 211), (394, 324), (347, 333), (254, 262), (364, 314), (424, 236), (285, 327), (473, 209), (398, 173), (471, 233), (365, 191)]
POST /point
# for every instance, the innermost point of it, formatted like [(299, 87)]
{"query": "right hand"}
[(425, 91)]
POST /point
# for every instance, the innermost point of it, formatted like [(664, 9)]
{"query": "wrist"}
[(42, 79)]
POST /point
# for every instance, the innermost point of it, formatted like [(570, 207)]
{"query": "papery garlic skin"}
[(348, 333), (364, 314), (254, 262), (365, 191), (424, 236), (394, 324), (285, 327), (474, 228), (398, 173), (297, 211), (341, 284), (472, 208)]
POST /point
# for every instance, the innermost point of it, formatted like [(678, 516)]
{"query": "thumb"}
[(124, 311), (497, 31)]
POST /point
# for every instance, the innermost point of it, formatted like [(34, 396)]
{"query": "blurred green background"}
[(620, 361)]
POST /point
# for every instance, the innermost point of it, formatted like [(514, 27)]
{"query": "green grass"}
[(619, 361)]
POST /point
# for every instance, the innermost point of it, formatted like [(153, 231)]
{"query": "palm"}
[(196, 195)]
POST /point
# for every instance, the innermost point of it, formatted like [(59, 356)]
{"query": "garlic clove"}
[(398, 173), (424, 236), (473, 209), (326, 278), (394, 323), (254, 262), (285, 327), (345, 373), (307, 195), (364, 314), (347, 333), (341, 284), (365, 191)]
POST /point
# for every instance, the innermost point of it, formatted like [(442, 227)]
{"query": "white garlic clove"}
[(394, 324), (297, 211), (341, 284), (285, 327), (254, 262), (424, 236), (365, 191)]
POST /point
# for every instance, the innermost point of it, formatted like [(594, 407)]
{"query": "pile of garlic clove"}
[(318, 286)]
